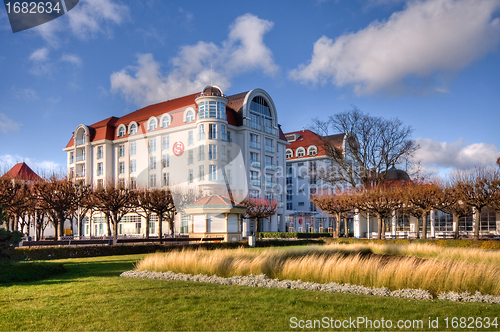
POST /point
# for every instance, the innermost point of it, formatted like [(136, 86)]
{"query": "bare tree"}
[(371, 146), (159, 202), (259, 208), (454, 205), (379, 201), (340, 205), (478, 188), (115, 202), (59, 197)]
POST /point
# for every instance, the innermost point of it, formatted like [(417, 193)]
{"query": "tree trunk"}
[(61, 227), (380, 226), (455, 225), (114, 220), (424, 225), (478, 222), (147, 226), (417, 226), (160, 227), (338, 225), (109, 226), (256, 228)]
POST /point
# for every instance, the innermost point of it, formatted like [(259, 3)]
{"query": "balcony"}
[(270, 149), (255, 164), (270, 130), (269, 185), (71, 160), (255, 145), (80, 174), (255, 125), (80, 141), (80, 158), (223, 137), (270, 167), (255, 183)]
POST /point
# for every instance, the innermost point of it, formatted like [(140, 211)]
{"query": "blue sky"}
[(433, 64)]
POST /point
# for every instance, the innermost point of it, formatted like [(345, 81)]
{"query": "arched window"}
[(133, 129), (301, 152), (289, 153), (153, 124), (121, 131), (165, 122), (312, 151), (190, 116)]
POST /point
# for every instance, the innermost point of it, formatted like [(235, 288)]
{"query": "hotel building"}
[(206, 140)]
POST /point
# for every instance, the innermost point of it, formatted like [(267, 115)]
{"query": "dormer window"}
[(165, 121), (190, 116), (121, 131), (153, 124), (301, 152), (133, 129), (312, 151), (289, 153)]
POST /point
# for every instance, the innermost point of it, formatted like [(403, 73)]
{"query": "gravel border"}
[(262, 280)]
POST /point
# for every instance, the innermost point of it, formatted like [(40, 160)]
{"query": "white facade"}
[(186, 143)]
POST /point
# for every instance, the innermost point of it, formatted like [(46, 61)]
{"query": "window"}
[(289, 194), (133, 148), (201, 132), (269, 161), (152, 162), (164, 161), (190, 137), (202, 172), (300, 204), (212, 175), (254, 141), (190, 116), (269, 181), (312, 207), (153, 124), (223, 155), (121, 131), (190, 157), (212, 131), (289, 206), (212, 152), (165, 122), (133, 129), (223, 135), (301, 152), (288, 181), (269, 145), (121, 183), (260, 115), (100, 183), (254, 193), (99, 152), (254, 179), (71, 157), (254, 160), (166, 179), (133, 166), (212, 109), (99, 169), (289, 153), (133, 183), (229, 139), (121, 167), (312, 167), (165, 143), (190, 179), (121, 150), (152, 144), (201, 153), (289, 170), (312, 151), (152, 180)]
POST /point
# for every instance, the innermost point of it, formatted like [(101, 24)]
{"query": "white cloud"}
[(24, 94), (8, 125), (91, 17), (455, 155), (243, 51), (426, 39), (72, 58), (41, 167), (39, 55)]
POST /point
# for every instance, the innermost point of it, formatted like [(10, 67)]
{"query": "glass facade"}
[(212, 109)]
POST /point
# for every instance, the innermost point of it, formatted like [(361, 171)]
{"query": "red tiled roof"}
[(23, 172), (306, 138), (106, 129)]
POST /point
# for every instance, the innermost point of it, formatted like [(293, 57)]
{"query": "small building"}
[(216, 216)]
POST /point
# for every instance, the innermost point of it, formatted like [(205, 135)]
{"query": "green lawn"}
[(90, 296)]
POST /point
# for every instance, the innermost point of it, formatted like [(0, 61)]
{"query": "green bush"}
[(7, 240), (28, 271)]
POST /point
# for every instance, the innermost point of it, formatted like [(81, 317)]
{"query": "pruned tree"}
[(13, 198), (83, 205), (419, 199), (379, 201), (339, 205), (259, 208), (454, 205), (59, 198), (159, 202), (478, 188), (370, 146), (115, 202)]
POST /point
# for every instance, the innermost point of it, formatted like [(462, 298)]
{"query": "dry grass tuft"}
[(391, 266)]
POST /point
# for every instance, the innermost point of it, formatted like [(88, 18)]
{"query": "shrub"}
[(7, 240), (292, 235), (28, 271)]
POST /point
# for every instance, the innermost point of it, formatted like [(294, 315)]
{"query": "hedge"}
[(485, 244), (292, 235), (61, 252)]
